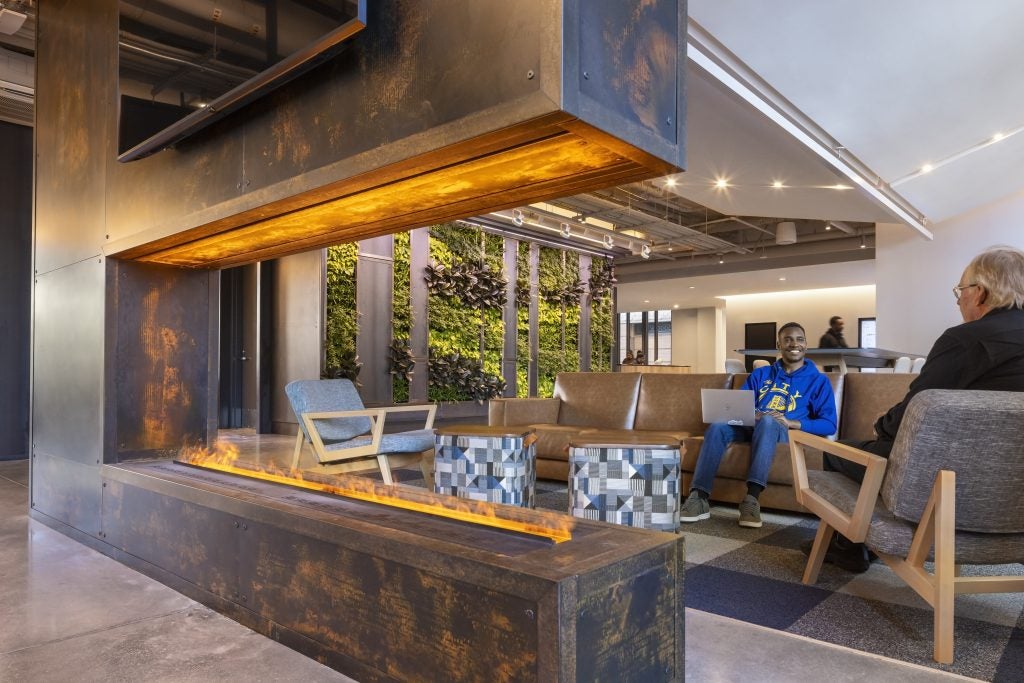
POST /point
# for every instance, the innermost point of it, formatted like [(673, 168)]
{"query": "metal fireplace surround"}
[(439, 110)]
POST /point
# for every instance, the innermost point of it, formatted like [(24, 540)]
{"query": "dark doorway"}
[(246, 337), (232, 348), (759, 336)]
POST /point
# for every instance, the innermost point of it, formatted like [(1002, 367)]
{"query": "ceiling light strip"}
[(928, 168), (705, 51)]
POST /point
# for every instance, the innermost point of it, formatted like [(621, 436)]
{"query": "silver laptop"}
[(731, 406)]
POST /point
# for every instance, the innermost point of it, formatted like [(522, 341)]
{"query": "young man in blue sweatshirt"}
[(790, 394)]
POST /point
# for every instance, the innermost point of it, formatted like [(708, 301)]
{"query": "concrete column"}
[(510, 318), (374, 292)]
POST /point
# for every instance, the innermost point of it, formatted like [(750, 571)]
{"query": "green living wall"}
[(466, 332), (341, 321)]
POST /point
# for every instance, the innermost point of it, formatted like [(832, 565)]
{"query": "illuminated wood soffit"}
[(557, 165)]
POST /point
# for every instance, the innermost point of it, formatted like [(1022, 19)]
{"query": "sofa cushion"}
[(671, 402), (866, 397), (522, 411), (605, 400), (553, 440)]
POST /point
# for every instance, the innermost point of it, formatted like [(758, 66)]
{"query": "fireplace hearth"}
[(384, 593)]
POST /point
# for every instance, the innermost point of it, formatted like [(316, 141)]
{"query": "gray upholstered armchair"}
[(347, 437), (950, 493)]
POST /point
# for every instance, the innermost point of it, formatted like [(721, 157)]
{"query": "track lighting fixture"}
[(517, 217), (566, 230), (645, 251)]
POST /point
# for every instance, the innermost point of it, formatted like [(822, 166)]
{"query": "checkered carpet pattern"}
[(753, 575)]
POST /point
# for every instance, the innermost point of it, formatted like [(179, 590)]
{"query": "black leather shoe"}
[(851, 557)]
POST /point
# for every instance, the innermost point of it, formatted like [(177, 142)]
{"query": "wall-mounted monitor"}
[(183, 64)]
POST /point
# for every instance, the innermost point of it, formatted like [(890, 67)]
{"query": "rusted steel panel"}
[(77, 68), (405, 622), (371, 141), (416, 66), (395, 595), (628, 79), (195, 542), (162, 329)]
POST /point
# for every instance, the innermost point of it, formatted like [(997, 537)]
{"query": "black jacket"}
[(832, 340), (985, 354)]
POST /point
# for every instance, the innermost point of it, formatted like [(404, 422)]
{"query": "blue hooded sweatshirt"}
[(805, 395)]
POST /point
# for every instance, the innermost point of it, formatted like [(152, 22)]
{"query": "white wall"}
[(810, 308), (915, 276), (698, 338)]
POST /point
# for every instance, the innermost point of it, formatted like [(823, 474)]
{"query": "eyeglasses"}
[(959, 289)]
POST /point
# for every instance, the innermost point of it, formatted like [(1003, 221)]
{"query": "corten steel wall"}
[(15, 279)]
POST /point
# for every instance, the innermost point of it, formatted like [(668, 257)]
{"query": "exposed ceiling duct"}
[(785, 233)]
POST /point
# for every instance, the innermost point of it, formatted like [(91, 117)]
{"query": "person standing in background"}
[(833, 337)]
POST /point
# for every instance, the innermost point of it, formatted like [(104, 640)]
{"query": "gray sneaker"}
[(750, 512), (694, 509)]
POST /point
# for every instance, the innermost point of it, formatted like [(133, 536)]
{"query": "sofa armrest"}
[(522, 411)]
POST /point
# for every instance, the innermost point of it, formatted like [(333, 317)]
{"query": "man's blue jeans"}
[(763, 438)]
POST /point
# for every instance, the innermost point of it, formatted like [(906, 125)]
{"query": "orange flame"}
[(224, 458)]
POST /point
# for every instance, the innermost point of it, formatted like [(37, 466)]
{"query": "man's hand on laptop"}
[(780, 418)]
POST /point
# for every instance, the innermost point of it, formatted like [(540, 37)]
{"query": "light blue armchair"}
[(347, 437)]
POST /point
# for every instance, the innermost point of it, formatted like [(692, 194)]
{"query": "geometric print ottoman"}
[(493, 464), (623, 479)]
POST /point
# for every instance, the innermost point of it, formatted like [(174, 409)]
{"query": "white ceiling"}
[(899, 84), (666, 294), (727, 138)]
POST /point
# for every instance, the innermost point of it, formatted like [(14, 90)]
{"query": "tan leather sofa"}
[(670, 404)]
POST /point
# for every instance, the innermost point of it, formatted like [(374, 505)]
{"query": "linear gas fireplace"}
[(389, 583)]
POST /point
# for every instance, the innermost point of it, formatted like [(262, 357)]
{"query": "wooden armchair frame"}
[(936, 529), (354, 459)]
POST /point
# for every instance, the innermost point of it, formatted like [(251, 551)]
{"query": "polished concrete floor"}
[(68, 613)]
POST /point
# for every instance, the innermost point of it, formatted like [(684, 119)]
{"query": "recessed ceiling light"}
[(693, 286), (840, 186), (777, 184), (670, 182), (997, 137), (782, 279), (927, 168), (721, 183), (647, 301), (828, 226), (675, 305)]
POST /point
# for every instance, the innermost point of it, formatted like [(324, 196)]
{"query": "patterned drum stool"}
[(624, 479), (493, 464)]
